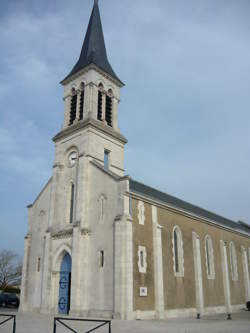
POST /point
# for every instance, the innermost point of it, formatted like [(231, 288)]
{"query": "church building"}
[(100, 243)]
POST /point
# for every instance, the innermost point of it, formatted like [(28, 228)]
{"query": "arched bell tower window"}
[(82, 87), (100, 93), (73, 106), (108, 113)]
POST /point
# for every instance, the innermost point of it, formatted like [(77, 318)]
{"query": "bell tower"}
[(91, 99)]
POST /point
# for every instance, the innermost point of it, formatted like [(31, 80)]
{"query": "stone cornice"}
[(89, 123), (88, 68), (66, 233)]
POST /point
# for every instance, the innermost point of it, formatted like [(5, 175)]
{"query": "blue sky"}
[(184, 109)]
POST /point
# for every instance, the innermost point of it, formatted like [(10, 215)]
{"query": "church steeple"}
[(93, 49)]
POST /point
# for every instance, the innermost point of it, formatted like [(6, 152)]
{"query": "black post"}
[(109, 326), (54, 330), (198, 316), (14, 325), (229, 317)]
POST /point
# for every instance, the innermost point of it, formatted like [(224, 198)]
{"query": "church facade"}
[(102, 244)]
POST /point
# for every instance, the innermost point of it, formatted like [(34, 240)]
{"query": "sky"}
[(185, 109)]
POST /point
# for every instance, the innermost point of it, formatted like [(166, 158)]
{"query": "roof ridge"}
[(188, 203)]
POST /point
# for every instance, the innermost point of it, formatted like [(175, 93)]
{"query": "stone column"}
[(23, 299), (67, 104), (78, 106), (104, 107), (225, 274), (75, 273), (158, 266), (84, 271), (245, 273), (123, 253), (115, 103), (198, 274), (46, 275)]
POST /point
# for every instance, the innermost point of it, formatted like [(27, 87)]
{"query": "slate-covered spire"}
[(93, 49)]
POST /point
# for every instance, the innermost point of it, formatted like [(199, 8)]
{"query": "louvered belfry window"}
[(108, 115), (99, 111), (81, 102), (73, 107)]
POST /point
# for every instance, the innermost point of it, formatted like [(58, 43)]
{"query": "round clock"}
[(72, 158)]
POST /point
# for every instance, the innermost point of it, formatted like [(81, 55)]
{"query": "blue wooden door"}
[(64, 285)]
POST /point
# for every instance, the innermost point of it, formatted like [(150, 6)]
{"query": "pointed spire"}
[(93, 49)]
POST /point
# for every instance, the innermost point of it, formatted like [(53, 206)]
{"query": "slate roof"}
[(141, 189), (93, 49)]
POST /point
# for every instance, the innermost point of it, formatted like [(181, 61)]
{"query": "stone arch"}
[(60, 252)]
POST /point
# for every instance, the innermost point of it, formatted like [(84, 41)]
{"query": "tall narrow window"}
[(73, 107), (81, 102), (108, 113), (233, 261), (38, 264), (208, 258), (176, 252), (106, 159), (100, 93), (178, 259), (142, 259), (72, 199), (209, 253), (101, 258)]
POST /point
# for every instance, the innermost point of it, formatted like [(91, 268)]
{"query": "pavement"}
[(38, 323)]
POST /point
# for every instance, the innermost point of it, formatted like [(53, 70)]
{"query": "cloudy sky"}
[(185, 108)]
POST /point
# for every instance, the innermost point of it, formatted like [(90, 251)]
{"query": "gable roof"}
[(152, 193), (94, 49)]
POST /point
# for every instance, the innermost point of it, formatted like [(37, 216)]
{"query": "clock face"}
[(72, 158)]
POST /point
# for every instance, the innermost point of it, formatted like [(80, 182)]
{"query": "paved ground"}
[(36, 323)]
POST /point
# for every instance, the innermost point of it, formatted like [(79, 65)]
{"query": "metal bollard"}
[(198, 316), (229, 317)]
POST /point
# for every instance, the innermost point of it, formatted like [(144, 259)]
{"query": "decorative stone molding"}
[(67, 233), (141, 212), (85, 232)]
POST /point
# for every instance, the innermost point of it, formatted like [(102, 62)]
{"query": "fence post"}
[(109, 326), (54, 330), (14, 324)]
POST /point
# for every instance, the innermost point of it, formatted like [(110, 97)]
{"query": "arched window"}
[(209, 252), (73, 106), (72, 202), (178, 259), (233, 261), (100, 93), (101, 208), (108, 113), (142, 259), (81, 101)]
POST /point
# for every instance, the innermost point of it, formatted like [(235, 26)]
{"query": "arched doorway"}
[(64, 285)]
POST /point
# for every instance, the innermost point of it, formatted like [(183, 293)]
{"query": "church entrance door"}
[(64, 285)]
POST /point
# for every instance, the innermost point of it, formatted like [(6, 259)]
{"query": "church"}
[(102, 244)]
